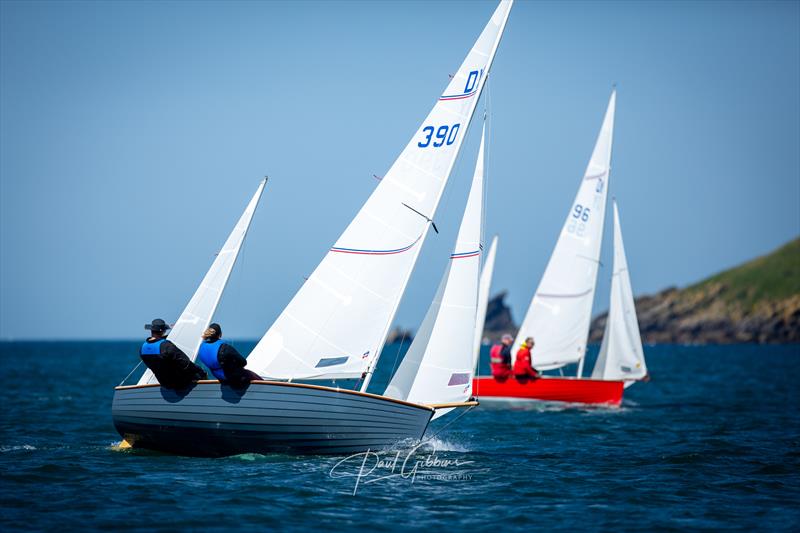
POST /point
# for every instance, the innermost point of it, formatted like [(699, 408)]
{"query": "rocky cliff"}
[(498, 319), (757, 302)]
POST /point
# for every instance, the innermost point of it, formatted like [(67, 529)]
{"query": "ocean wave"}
[(23, 447)]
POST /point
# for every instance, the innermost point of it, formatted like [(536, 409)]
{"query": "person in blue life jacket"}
[(168, 363), (223, 360)]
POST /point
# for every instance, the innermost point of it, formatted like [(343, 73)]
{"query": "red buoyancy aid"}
[(500, 369), (522, 365), (496, 355)]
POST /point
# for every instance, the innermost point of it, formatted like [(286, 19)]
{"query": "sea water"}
[(713, 441)]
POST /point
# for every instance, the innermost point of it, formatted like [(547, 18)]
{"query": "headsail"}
[(483, 300), (438, 366), (337, 323), (559, 315), (197, 316), (621, 354)]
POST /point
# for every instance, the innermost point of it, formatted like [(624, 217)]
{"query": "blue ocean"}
[(712, 442)]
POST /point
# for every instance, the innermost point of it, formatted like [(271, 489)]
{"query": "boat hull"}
[(550, 389), (214, 420)]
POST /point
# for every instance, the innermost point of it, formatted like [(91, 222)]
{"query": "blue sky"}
[(133, 134)]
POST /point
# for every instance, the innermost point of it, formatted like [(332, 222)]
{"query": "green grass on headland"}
[(774, 276)]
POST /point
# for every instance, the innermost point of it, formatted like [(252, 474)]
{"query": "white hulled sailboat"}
[(337, 323)]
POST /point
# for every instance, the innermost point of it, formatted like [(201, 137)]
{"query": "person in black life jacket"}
[(500, 358), (168, 363), (224, 361)]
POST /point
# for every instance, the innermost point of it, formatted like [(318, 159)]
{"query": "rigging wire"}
[(129, 374)]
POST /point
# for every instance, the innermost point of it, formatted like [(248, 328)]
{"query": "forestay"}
[(484, 286), (336, 324), (621, 354), (195, 318), (559, 315), (438, 367)]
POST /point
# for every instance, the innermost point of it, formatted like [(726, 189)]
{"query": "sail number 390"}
[(445, 135)]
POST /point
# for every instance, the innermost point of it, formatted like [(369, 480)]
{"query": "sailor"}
[(500, 358), (224, 361), (169, 364), (523, 370)]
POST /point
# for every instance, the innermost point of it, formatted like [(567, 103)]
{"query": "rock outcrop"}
[(757, 302)]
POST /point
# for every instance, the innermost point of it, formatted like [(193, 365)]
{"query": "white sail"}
[(438, 367), (559, 315), (621, 354), (483, 300), (337, 323), (196, 317)]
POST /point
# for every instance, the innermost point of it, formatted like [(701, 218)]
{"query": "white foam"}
[(25, 447)]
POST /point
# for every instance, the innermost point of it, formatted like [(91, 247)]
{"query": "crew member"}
[(500, 358), (523, 370), (224, 361), (168, 363)]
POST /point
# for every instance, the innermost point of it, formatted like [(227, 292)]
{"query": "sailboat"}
[(559, 315), (335, 326)]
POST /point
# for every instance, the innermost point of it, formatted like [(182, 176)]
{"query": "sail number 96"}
[(580, 215), (580, 212), (443, 135)]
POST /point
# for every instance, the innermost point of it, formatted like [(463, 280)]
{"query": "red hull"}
[(550, 389)]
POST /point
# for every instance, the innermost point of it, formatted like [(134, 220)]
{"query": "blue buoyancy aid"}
[(208, 355), (151, 348)]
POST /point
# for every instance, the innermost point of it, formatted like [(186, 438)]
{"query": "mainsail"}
[(337, 323), (621, 354), (483, 300), (559, 315), (195, 318), (438, 367)]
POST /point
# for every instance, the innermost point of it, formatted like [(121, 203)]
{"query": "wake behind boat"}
[(336, 325)]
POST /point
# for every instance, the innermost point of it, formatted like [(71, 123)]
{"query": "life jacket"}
[(208, 355), (522, 365), (151, 348), (496, 354)]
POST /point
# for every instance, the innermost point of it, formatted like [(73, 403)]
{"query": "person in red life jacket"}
[(224, 361), (168, 363), (500, 358), (523, 370)]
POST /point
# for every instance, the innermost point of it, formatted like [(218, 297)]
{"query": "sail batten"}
[(195, 318), (370, 264), (559, 315)]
